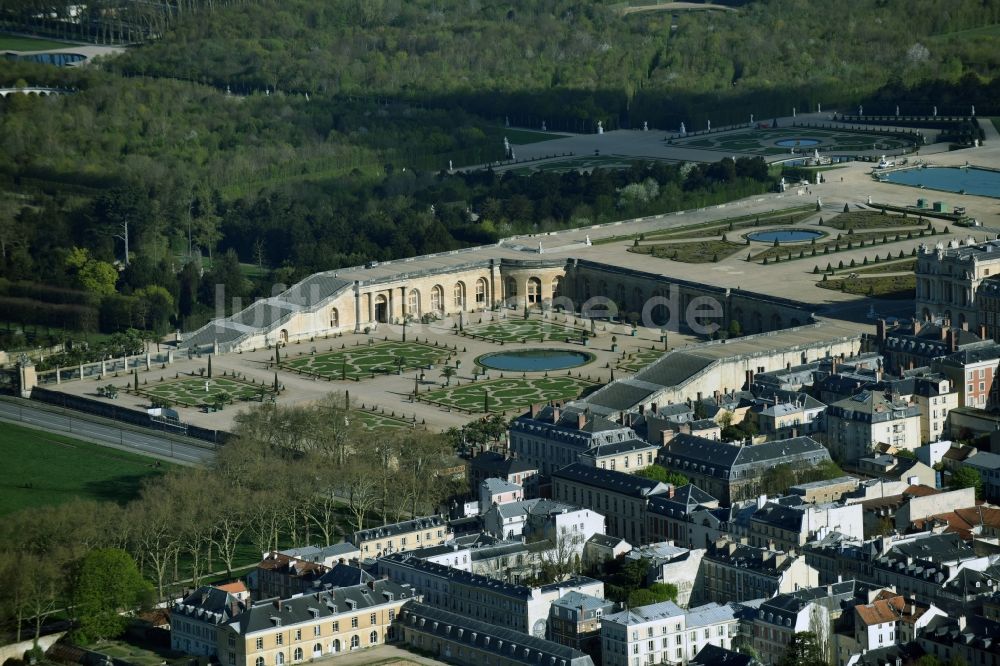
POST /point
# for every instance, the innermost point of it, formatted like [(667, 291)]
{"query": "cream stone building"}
[(275, 632)]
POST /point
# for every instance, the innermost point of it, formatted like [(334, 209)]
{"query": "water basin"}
[(797, 143), (784, 235), (969, 180), (534, 360)]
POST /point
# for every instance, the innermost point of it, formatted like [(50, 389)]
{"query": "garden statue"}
[(600, 127), (683, 130)]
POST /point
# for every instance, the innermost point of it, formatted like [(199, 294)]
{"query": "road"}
[(74, 424)]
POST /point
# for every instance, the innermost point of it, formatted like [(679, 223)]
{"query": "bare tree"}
[(362, 491), (563, 559)]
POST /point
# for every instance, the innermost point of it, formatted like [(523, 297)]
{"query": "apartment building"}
[(664, 633), (739, 572), (403, 536), (855, 425)]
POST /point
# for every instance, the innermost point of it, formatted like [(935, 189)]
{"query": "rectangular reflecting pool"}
[(967, 180)]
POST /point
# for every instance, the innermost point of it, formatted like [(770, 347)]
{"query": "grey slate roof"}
[(643, 614), (344, 575), (713, 655), (574, 600), (723, 456), (613, 480), (261, 616), (208, 604), (479, 635), (405, 527)]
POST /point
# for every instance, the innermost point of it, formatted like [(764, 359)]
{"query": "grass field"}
[(375, 421), (516, 330), (12, 43), (508, 393), (872, 219), (362, 362), (198, 391), (520, 137), (44, 469)]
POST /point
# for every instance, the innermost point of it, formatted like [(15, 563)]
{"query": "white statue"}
[(861, 110), (793, 112), (506, 146), (973, 109), (307, 97), (600, 127), (975, 143), (587, 241), (683, 130), (935, 112), (819, 108), (513, 156), (751, 119), (897, 110), (709, 125), (816, 153), (543, 126), (539, 247), (645, 126), (450, 167)]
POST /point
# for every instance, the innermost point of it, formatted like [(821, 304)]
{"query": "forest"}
[(251, 142)]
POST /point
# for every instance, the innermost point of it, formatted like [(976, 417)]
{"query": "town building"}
[(493, 465), (902, 469), (918, 344), (732, 473), (460, 639), (498, 491), (544, 519), (513, 606), (786, 414), (739, 572), (830, 490), (280, 575), (553, 436), (664, 633), (917, 502), (681, 567), (601, 548), (854, 426), (275, 632), (962, 637), (988, 466), (195, 619), (789, 524), (575, 621), (403, 536), (620, 497), (972, 372), (687, 516)]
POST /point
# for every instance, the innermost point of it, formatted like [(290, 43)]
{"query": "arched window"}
[(279, 658), (534, 291), (334, 318), (620, 298), (555, 287), (511, 287), (297, 654), (413, 303), (317, 650), (335, 647), (373, 637), (637, 300), (437, 298), (355, 641), (482, 293), (458, 295), (259, 661)]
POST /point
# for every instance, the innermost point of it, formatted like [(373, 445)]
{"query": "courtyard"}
[(514, 328), (503, 395), (201, 391)]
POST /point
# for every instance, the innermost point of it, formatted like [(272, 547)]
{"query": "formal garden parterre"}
[(365, 361), (516, 329), (509, 393), (201, 391)]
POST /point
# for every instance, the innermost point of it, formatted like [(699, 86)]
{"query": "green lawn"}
[(363, 361), (638, 360), (517, 329), (12, 43), (519, 136), (508, 393), (198, 391), (763, 142), (896, 286), (692, 252), (44, 469), (375, 421), (872, 219)]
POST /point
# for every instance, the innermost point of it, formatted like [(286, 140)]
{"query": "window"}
[(373, 638), (373, 619), (232, 659), (297, 654), (260, 643), (279, 639), (458, 295), (232, 640), (355, 642), (279, 658), (298, 634), (481, 290), (259, 661), (317, 630), (336, 627), (392, 615), (354, 622)]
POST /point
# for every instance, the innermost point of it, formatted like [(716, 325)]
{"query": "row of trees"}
[(293, 475)]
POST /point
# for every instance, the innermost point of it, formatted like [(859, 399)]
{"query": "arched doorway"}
[(555, 287), (413, 303), (458, 295), (534, 291), (381, 309), (437, 298), (334, 318), (335, 646), (283, 336)]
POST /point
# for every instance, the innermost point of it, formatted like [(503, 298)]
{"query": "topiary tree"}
[(847, 208)]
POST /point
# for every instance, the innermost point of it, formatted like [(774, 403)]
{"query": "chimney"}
[(699, 396), (952, 339), (555, 414), (581, 420), (917, 325), (982, 331), (652, 407), (535, 408), (833, 365), (880, 331), (944, 332), (965, 325), (795, 432), (686, 428), (665, 436), (715, 394), (788, 366)]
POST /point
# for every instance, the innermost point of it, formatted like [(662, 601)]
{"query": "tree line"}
[(292, 476)]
